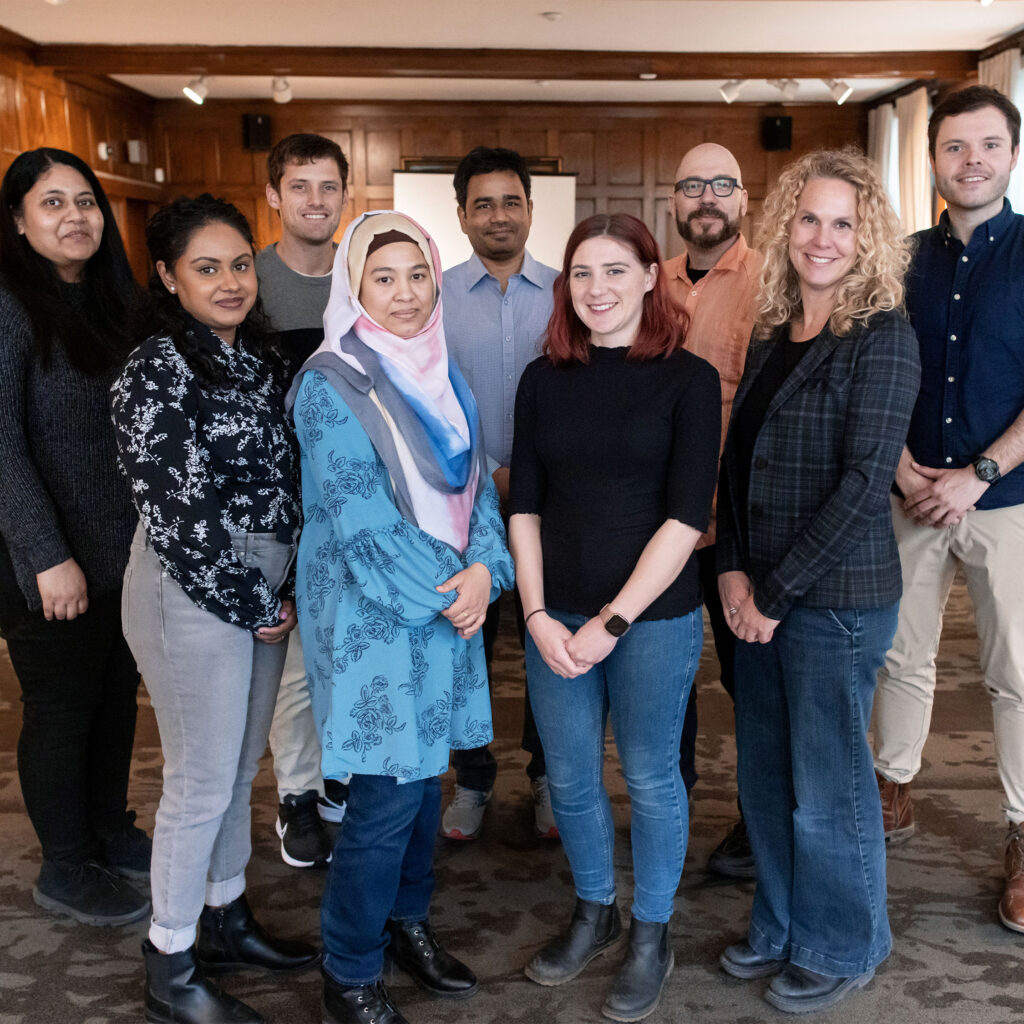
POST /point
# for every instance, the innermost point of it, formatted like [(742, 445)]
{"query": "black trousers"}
[(78, 690), (476, 768), (725, 647)]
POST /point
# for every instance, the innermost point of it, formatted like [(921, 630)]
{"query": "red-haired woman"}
[(613, 468)]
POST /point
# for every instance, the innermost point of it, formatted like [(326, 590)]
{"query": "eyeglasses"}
[(722, 186)]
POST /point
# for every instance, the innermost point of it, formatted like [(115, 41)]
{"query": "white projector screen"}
[(430, 199)]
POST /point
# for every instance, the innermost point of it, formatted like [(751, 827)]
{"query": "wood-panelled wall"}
[(37, 108), (624, 156)]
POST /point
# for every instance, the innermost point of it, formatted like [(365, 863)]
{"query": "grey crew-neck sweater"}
[(62, 494)]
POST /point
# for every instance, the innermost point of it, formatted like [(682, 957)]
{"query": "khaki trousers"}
[(990, 547)]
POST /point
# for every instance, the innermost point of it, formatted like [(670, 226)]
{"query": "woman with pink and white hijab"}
[(402, 550)]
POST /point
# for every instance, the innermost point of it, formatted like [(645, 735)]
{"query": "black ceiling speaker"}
[(777, 133)]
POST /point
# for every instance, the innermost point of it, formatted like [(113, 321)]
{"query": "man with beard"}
[(715, 281), (962, 472), (496, 309)]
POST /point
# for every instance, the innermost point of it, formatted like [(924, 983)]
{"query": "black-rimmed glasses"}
[(722, 186)]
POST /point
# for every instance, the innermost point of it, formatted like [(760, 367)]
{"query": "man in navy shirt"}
[(961, 476), (496, 309)]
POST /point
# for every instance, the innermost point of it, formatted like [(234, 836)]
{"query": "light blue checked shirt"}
[(493, 337)]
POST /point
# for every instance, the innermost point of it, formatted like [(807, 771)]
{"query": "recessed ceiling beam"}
[(580, 65)]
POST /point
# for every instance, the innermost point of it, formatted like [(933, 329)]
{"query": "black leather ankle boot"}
[(636, 990), (231, 939), (177, 992), (414, 949), (358, 1004), (594, 927)]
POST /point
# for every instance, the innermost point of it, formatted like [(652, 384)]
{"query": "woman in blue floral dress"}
[(402, 550)]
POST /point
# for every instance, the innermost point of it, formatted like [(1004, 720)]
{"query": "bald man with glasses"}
[(715, 281)]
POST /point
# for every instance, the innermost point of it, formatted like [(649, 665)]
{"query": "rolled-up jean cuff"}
[(172, 940), (220, 894)]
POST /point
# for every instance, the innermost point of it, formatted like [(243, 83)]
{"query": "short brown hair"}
[(974, 97), (303, 148)]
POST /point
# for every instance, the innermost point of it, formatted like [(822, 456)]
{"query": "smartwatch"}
[(987, 469), (613, 622)]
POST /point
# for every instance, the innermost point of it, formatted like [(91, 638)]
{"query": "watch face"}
[(616, 625), (987, 470)]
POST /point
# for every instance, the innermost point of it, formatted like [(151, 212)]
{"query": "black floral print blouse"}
[(207, 463)]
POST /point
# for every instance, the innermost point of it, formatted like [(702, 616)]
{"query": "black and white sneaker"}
[(304, 842), (332, 804)]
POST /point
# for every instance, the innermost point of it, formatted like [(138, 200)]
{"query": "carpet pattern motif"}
[(500, 898)]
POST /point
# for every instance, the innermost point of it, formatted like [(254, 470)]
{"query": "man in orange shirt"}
[(716, 282)]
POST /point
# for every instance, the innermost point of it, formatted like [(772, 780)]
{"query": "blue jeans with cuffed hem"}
[(803, 705), (644, 684), (382, 867)]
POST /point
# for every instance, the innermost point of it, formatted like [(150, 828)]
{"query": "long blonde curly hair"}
[(875, 282)]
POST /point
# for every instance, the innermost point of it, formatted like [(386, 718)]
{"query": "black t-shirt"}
[(604, 453)]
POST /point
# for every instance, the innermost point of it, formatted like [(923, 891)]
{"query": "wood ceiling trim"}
[(580, 65)]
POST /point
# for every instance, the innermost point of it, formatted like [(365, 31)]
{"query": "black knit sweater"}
[(62, 494)]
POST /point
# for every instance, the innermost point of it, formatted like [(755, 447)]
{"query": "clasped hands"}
[(938, 497), (737, 595), (468, 611), (570, 654)]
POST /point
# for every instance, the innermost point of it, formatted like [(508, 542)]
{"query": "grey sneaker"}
[(543, 816), (126, 849), (464, 818)]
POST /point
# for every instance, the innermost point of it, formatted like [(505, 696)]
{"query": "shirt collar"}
[(530, 271), (731, 259), (991, 230)]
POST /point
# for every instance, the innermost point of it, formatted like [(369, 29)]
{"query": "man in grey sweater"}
[(307, 186)]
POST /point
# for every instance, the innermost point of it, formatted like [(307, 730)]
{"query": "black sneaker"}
[(126, 849), (332, 804), (304, 843), (733, 856), (90, 893)]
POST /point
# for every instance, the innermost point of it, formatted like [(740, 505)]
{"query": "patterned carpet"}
[(498, 899)]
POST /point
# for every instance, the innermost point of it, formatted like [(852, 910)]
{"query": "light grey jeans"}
[(213, 688)]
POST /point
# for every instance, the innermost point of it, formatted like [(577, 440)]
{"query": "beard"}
[(708, 238)]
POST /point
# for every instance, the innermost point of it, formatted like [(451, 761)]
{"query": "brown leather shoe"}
[(1011, 906), (897, 810)]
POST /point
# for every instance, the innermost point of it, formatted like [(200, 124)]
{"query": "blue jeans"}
[(644, 683), (803, 705), (382, 867)]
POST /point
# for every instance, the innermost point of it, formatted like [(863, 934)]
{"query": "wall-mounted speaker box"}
[(777, 133), (256, 132)]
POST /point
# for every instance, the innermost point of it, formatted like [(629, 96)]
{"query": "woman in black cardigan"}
[(66, 522), (809, 574)]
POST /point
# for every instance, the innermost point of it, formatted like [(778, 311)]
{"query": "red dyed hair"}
[(662, 322)]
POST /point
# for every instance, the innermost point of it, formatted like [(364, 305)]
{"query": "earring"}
[(171, 289)]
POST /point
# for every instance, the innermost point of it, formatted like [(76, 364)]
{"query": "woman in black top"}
[(211, 462), (810, 575), (66, 521), (613, 470)]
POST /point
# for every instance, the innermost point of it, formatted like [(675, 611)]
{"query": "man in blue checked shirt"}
[(496, 309), (961, 475)]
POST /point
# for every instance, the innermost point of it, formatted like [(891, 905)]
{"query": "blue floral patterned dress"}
[(393, 685)]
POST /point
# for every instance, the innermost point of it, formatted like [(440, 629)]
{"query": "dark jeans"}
[(78, 687), (725, 647), (382, 867), (476, 768)]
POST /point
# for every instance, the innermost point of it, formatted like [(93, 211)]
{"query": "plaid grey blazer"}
[(819, 522)]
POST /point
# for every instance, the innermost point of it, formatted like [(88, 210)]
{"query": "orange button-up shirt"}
[(721, 309)]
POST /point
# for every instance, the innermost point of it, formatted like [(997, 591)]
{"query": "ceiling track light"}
[(787, 86), (197, 90), (839, 91), (731, 89), (281, 91)]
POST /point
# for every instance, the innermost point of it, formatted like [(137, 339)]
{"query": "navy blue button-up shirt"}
[(966, 304), (494, 336)]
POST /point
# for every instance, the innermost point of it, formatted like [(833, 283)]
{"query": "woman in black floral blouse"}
[(207, 608)]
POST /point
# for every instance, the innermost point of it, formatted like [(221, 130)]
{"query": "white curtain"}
[(915, 172), (1003, 72), (883, 148)]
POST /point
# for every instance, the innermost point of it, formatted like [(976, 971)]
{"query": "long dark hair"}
[(91, 331), (168, 233), (662, 323)]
